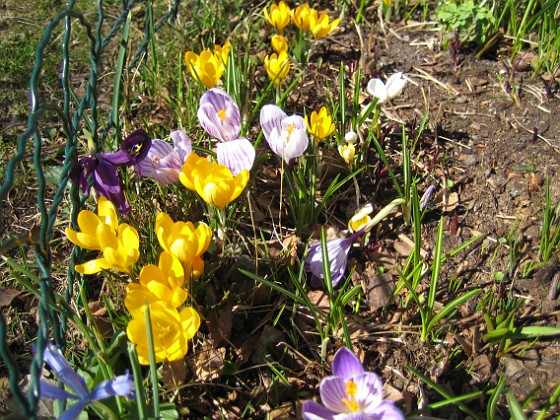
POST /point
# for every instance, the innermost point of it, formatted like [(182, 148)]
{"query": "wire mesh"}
[(73, 121)]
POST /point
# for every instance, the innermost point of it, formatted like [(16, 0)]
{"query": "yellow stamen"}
[(289, 129), (222, 114), (351, 391)]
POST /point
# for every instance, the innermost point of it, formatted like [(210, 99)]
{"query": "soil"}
[(490, 143)]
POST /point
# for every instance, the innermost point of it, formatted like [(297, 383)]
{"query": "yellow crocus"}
[(279, 15), (101, 232), (300, 16), (158, 282), (209, 66), (171, 331), (277, 66), (347, 152), (279, 43), (185, 241), (213, 182), (320, 24), (320, 124), (361, 218)]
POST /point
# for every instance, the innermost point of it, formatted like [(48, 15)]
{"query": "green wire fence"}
[(75, 114)]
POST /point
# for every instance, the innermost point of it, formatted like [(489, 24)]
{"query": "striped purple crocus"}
[(164, 161), (219, 115), (286, 135), (350, 393)]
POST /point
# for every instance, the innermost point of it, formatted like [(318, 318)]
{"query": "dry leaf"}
[(173, 374), (219, 322), (207, 363), (378, 288), (7, 295)]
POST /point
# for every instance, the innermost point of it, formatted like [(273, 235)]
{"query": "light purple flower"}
[(386, 91), (102, 166), (122, 385), (337, 251), (219, 115), (163, 162), (286, 135), (425, 200), (351, 393)]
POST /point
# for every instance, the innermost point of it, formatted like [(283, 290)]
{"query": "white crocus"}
[(386, 91), (286, 135)]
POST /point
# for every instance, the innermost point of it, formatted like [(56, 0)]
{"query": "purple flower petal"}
[(313, 411), (182, 143), (122, 385), (219, 115), (271, 118), (80, 173), (333, 393), (346, 364), (73, 412), (133, 149), (337, 251), (236, 154), (387, 410), (108, 184), (47, 390), (58, 363), (370, 391)]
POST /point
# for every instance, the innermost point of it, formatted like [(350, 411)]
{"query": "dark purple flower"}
[(351, 393), (102, 166), (219, 115), (122, 385), (337, 251), (164, 162)]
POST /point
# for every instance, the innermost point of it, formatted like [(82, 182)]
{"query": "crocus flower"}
[(320, 124), (185, 242), (360, 218), (277, 66), (122, 385), (279, 15), (300, 16), (347, 152), (337, 251), (158, 282), (321, 25), (286, 135), (102, 166), (209, 66), (171, 331), (351, 393), (163, 162), (119, 242), (386, 91), (279, 43), (425, 200), (215, 183), (219, 115)]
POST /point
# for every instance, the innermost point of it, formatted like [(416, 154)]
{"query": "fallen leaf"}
[(207, 363), (219, 322), (173, 374), (378, 288), (7, 295)]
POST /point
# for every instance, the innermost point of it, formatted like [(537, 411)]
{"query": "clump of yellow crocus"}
[(279, 15)]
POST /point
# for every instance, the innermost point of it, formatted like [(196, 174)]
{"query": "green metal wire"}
[(85, 115)]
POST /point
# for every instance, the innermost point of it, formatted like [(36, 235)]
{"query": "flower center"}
[(351, 391), (289, 130), (222, 114)]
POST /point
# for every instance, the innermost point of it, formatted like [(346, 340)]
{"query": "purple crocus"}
[(351, 393), (163, 162), (337, 251), (219, 115), (286, 135), (122, 385), (103, 167)]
